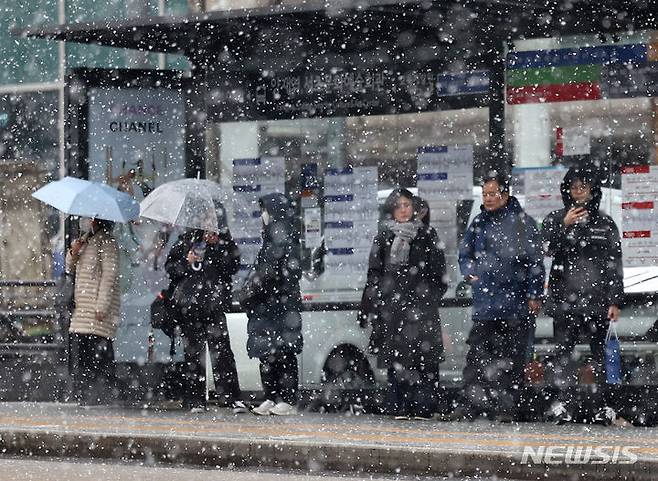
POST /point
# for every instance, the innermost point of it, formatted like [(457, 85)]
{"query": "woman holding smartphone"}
[(201, 265)]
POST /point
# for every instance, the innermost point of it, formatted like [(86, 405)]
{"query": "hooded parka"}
[(402, 300), (586, 275), (271, 294)]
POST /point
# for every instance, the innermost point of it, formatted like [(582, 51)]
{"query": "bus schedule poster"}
[(639, 191), (253, 178), (350, 218), (445, 177)]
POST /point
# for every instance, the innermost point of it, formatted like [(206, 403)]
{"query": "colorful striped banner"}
[(569, 74)]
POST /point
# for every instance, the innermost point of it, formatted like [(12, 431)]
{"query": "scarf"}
[(405, 232)]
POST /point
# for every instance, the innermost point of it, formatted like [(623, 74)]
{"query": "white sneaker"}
[(283, 409), (197, 410), (558, 414), (239, 407), (605, 416), (264, 408)]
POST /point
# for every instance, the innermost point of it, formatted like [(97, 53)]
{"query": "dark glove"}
[(250, 293)]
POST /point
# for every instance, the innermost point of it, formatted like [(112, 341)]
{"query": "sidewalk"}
[(318, 442)]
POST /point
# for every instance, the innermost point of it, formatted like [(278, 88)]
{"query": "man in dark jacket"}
[(272, 300), (585, 283), (200, 266), (501, 256)]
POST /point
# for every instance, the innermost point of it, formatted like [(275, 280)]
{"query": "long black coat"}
[(586, 274), (213, 281), (404, 300), (271, 295)]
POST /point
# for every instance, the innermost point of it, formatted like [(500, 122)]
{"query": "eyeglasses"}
[(491, 195)]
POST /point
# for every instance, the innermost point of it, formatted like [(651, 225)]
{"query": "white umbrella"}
[(84, 198), (191, 203)]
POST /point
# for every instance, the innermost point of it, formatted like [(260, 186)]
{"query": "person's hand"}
[(76, 247), (575, 215), (534, 306), (192, 258), (471, 279), (99, 316), (613, 313), (362, 318)]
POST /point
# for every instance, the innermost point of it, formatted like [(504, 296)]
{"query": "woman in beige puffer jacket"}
[(94, 259)]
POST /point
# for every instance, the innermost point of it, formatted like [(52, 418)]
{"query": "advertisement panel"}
[(136, 142)]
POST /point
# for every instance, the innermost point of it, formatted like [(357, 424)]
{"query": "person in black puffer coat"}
[(585, 283), (405, 283), (201, 291), (272, 300)]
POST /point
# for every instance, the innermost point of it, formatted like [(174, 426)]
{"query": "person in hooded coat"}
[(272, 300), (501, 257), (405, 283), (200, 288), (585, 284)]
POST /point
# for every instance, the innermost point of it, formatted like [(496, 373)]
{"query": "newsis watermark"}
[(571, 454)]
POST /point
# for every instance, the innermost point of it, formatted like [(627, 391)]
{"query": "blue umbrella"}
[(88, 199)]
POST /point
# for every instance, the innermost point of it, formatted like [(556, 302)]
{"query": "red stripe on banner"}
[(635, 169), (637, 205), (559, 141), (636, 234), (553, 93)]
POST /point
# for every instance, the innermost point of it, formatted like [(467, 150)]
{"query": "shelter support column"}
[(195, 119), (532, 135), (498, 159)]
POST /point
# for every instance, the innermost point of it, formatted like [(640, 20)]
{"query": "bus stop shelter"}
[(231, 50)]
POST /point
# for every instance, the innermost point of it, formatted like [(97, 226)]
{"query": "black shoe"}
[(462, 413), (504, 418), (193, 407)]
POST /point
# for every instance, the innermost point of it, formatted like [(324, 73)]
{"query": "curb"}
[(218, 452)]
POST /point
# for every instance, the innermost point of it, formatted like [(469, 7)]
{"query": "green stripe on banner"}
[(553, 75)]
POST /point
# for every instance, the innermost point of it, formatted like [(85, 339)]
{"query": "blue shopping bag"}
[(612, 355)]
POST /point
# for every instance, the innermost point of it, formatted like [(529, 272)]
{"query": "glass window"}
[(28, 128), (89, 55), (27, 60), (315, 151)]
